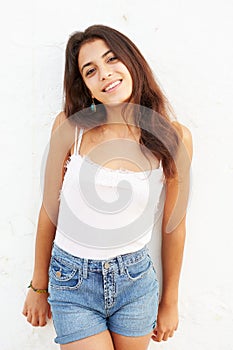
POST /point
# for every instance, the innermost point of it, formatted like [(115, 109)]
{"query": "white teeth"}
[(112, 85)]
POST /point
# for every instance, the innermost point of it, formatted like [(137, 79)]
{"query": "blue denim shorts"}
[(89, 296)]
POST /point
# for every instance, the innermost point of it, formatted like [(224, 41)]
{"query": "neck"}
[(120, 121)]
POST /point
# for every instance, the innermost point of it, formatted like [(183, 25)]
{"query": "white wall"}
[(189, 46)]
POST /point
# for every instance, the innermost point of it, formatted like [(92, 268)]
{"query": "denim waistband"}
[(98, 265)]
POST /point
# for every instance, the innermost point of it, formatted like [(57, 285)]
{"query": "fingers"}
[(160, 335), (36, 309), (49, 313), (42, 321), (35, 319), (167, 335), (171, 334), (24, 312), (29, 317)]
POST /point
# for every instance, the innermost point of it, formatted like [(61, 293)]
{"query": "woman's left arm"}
[(173, 238)]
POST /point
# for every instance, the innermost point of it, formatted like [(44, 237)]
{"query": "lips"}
[(112, 85)]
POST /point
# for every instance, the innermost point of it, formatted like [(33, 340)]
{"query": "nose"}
[(105, 72)]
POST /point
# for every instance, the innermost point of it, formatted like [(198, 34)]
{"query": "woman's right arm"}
[(36, 307)]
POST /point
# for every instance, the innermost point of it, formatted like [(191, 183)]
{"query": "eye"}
[(89, 72), (112, 59)]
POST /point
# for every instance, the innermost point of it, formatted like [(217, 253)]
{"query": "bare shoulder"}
[(59, 119), (62, 134), (186, 137), (63, 129)]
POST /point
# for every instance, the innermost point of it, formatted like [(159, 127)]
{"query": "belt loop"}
[(121, 264), (85, 263)]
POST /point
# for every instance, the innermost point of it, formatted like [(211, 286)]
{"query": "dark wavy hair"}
[(158, 133)]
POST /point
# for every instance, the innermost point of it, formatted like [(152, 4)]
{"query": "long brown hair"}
[(158, 133)]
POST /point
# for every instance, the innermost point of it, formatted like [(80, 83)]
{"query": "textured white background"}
[(189, 46)]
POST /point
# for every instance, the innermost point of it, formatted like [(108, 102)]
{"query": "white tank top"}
[(105, 212)]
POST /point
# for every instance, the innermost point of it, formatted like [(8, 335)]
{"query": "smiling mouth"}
[(112, 86)]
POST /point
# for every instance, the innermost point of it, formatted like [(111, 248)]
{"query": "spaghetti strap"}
[(79, 138)]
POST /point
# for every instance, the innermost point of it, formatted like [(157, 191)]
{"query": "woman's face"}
[(107, 78)]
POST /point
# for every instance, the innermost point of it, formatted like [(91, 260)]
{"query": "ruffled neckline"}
[(110, 170)]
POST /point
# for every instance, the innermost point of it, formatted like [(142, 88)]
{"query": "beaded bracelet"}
[(37, 290)]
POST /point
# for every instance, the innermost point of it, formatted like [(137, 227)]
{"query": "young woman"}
[(115, 155)]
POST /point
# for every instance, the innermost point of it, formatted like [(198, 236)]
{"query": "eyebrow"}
[(89, 63)]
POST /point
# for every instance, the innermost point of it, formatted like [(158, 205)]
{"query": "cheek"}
[(130, 81), (90, 84), (127, 74), (87, 83), (123, 68)]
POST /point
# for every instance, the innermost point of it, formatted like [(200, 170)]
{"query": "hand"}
[(167, 322), (36, 308)]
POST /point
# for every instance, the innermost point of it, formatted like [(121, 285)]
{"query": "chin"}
[(120, 101), (114, 104)]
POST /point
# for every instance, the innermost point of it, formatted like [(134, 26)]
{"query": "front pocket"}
[(64, 275), (139, 269)]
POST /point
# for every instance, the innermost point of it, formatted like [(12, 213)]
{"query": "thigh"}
[(122, 342), (98, 341)]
